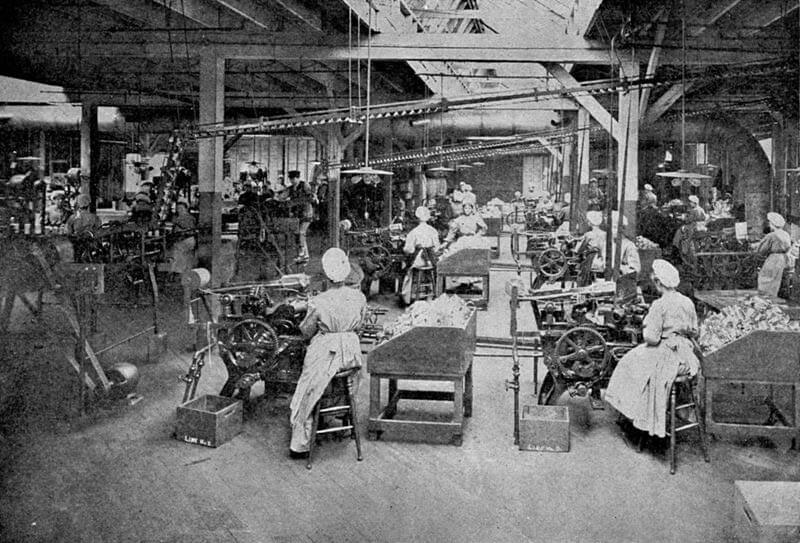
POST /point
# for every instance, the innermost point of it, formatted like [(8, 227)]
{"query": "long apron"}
[(327, 354), (639, 387), (769, 278)]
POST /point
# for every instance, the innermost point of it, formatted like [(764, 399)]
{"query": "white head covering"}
[(567, 198), (335, 264), (776, 219), (458, 196), (694, 199), (648, 186), (595, 218), (666, 273), (468, 187), (517, 194), (423, 214)]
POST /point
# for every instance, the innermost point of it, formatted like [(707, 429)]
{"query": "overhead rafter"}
[(311, 18), (251, 11), (204, 12), (666, 101), (718, 10)]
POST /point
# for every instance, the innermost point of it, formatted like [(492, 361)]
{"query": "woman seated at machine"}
[(629, 262), (332, 319), (640, 385), (594, 241), (421, 244), (466, 224)]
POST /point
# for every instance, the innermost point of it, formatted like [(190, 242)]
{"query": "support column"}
[(90, 149), (209, 165), (628, 159), (334, 154), (580, 204), (386, 180)]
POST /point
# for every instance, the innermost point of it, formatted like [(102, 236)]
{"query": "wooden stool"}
[(688, 385), (423, 283), (342, 382)]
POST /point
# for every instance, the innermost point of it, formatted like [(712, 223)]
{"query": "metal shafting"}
[(514, 382)]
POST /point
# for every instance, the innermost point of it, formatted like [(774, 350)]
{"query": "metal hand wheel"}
[(252, 341), (580, 353), (551, 263)]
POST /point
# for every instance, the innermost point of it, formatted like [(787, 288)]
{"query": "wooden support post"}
[(580, 203), (628, 159), (210, 150), (386, 183), (90, 150)]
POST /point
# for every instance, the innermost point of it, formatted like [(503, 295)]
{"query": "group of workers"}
[(295, 200)]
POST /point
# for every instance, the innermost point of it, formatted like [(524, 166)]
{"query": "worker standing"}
[(301, 197), (775, 245), (647, 197), (466, 224), (333, 318), (594, 242)]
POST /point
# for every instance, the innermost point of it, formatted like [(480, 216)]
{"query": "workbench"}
[(758, 377), (466, 263), (423, 354)]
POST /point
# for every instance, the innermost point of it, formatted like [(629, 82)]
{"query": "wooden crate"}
[(767, 511), (209, 420), (544, 428), (426, 351)]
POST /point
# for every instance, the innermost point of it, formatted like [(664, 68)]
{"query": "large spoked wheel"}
[(381, 257), (580, 354), (551, 263), (252, 341)]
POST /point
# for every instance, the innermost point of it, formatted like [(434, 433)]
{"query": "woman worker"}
[(420, 241), (594, 241), (182, 250), (332, 319), (774, 246), (466, 224), (640, 385)]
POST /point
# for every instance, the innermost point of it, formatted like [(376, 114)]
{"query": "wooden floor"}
[(117, 475)]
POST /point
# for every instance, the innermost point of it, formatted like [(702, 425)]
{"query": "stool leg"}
[(700, 426), (312, 441), (353, 417), (672, 430)]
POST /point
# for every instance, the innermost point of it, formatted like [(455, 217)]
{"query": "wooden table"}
[(466, 263), (424, 354)]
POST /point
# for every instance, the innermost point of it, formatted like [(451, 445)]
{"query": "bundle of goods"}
[(644, 243), (467, 242), (735, 321), (490, 211), (446, 310)]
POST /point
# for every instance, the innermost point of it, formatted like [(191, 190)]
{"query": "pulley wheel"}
[(252, 341), (580, 354), (124, 377), (551, 263), (381, 257)]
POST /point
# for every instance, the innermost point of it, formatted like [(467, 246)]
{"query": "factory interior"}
[(399, 270)]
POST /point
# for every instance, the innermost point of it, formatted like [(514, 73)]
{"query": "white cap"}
[(595, 218), (423, 213), (335, 264), (776, 219), (648, 186), (694, 199), (666, 273)]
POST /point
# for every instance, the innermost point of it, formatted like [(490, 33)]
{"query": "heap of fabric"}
[(447, 310), (644, 243), (738, 320)]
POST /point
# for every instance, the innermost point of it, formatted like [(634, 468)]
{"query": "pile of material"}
[(446, 310), (468, 242), (644, 243), (735, 321)]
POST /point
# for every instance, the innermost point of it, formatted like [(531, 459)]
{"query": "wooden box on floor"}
[(767, 512), (423, 353), (209, 420), (544, 428)]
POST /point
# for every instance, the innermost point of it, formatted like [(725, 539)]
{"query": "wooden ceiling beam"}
[(203, 12), (252, 11), (719, 9), (309, 17)]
